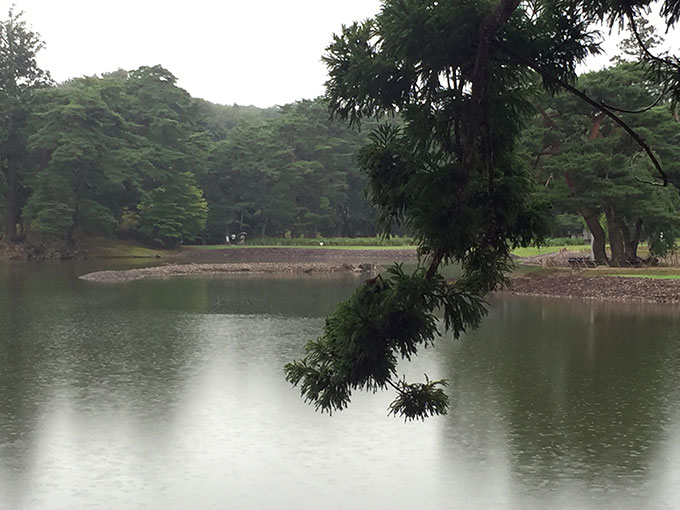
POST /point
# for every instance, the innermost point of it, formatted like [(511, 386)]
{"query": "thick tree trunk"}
[(344, 222), (631, 243), (599, 239), (616, 244), (595, 128), (635, 241)]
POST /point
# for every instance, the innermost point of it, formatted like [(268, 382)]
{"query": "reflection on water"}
[(170, 394), (580, 400)]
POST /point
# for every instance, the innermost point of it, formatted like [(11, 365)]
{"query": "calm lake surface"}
[(169, 394)]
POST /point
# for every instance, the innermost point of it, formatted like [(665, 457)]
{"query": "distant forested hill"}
[(131, 154)]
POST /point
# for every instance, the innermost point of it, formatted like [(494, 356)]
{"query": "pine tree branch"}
[(653, 183)]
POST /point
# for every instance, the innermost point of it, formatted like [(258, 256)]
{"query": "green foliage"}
[(419, 400), (110, 142), (386, 319), (95, 218), (593, 168), (293, 173), (219, 119), (54, 218), (461, 76), (567, 224), (20, 78), (74, 137), (174, 213), (564, 241), (450, 172)]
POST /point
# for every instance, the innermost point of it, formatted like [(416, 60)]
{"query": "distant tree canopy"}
[(20, 78), (592, 167), (295, 173), (130, 153)]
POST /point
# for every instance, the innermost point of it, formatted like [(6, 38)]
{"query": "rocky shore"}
[(606, 288), (192, 269), (583, 284)]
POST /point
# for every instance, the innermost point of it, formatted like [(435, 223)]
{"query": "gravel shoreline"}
[(192, 269), (295, 260), (604, 288)]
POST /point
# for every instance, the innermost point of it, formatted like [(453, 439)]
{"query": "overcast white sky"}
[(262, 52)]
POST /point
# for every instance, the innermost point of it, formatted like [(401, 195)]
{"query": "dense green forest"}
[(131, 154)]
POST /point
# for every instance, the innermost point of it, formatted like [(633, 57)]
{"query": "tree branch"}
[(653, 183), (641, 110), (645, 50), (582, 95), (434, 265)]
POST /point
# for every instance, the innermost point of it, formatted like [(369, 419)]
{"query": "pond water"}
[(169, 394)]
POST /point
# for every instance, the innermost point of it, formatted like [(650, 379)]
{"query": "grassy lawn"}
[(338, 243), (343, 242), (309, 247), (370, 244), (532, 250), (652, 276), (657, 273)]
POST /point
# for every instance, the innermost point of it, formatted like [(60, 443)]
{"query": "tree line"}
[(589, 168), (130, 153), (133, 155)]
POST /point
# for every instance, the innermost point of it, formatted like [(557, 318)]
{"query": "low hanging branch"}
[(599, 105), (651, 57)]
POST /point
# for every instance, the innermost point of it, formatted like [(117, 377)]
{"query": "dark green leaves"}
[(174, 213), (420, 400), (387, 318), (448, 173)]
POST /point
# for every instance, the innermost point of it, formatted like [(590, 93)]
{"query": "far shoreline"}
[(589, 286), (577, 284), (193, 269)]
